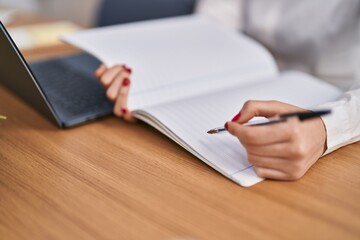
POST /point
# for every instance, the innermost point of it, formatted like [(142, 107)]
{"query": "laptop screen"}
[(16, 75)]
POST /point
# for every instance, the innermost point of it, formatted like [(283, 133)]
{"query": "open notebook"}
[(191, 75)]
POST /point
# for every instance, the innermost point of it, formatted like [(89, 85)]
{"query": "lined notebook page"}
[(176, 58), (189, 120)]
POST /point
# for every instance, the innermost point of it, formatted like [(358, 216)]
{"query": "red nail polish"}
[(126, 82), (236, 118), (124, 110), (226, 125), (129, 70)]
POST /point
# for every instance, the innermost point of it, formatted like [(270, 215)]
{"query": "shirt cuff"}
[(343, 124), (336, 131)]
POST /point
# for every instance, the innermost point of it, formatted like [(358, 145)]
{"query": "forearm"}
[(343, 125)]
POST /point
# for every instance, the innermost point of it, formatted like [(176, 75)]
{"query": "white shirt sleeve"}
[(343, 125)]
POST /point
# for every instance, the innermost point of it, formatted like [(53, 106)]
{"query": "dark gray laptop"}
[(63, 89)]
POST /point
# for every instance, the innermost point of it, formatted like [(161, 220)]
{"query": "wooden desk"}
[(114, 180)]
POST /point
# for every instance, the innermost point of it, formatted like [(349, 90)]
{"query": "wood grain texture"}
[(114, 180)]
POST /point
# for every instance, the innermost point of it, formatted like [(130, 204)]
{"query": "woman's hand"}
[(116, 81), (283, 151)]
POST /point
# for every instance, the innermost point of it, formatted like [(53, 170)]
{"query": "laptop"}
[(63, 89)]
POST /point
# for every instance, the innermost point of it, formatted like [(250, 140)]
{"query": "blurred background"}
[(87, 13), (334, 60), (82, 12), (39, 23)]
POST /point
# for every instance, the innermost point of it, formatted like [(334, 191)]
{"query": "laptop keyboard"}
[(71, 85)]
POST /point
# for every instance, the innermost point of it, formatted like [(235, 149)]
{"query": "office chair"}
[(124, 11)]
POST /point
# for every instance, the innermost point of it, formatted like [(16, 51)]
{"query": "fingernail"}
[(129, 70), (236, 118), (126, 82), (124, 110), (226, 126)]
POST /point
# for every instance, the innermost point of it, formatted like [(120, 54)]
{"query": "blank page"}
[(187, 121), (176, 58)]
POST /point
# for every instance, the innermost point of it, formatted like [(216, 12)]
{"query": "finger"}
[(119, 111), (278, 174), (130, 117), (121, 100), (267, 109), (269, 150), (100, 71), (113, 90), (281, 164), (110, 75), (123, 95), (271, 173), (122, 111), (261, 135)]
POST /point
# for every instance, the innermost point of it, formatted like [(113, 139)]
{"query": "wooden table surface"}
[(114, 180)]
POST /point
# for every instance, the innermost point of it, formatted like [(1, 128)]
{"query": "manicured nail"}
[(125, 68), (126, 82), (124, 110), (129, 70), (236, 118), (226, 126)]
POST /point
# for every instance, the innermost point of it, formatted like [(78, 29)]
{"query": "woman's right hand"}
[(116, 81)]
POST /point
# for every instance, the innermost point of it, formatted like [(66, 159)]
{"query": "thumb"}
[(261, 109)]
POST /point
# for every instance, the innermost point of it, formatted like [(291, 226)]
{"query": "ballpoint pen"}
[(302, 116)]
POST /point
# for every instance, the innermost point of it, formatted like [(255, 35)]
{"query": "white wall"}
[(79, 11)]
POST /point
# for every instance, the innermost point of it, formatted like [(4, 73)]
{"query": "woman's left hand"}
[(283, 151)]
